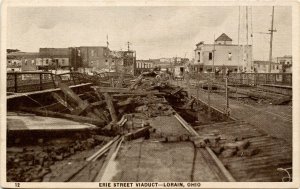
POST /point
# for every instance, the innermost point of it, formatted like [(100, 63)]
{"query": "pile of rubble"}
[(112, 109), (32, 163), (225, 148)]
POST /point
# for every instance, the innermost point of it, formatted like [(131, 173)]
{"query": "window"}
[(199, 56), (62, 61), (210, 56), (229, 56), (106, 60)]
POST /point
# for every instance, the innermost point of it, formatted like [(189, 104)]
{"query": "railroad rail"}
[(220, 165)]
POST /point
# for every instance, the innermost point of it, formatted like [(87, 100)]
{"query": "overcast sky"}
[(154, 32)]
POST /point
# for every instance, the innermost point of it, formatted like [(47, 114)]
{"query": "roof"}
[(22, 54), (104, 47), (201, 42), (223, 37)]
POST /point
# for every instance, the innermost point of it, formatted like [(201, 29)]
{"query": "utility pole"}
[(214, 49), (239, 39), (107, 43), (247, 25), (128, 43), (271, 39)]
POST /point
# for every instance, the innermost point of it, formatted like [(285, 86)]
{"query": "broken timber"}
[(82, 105), (111, 107), (125, 91), (109, 158), (62, 101)]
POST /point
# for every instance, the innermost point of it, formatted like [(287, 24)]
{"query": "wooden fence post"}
[(16, 82), (41, 82)]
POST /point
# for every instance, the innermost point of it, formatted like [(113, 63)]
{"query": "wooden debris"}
[(142, 132), (136, 82), (109, 158), (111, 107), (104, 149), (240, 145), (83, 106), (177, 91), (248, 152), (62, 101)]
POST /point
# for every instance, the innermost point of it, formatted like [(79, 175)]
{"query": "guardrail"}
[(18, 82)]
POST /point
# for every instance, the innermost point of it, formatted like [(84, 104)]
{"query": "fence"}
[(251, 79), (19, 82)]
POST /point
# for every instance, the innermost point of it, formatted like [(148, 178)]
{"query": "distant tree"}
[(12, 50)]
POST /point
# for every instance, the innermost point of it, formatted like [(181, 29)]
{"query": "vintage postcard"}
[(149, 94)]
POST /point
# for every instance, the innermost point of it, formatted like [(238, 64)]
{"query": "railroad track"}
[(226, 174)]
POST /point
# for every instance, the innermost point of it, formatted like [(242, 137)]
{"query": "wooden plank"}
[(136, 82), (111, 89), (82, 119), (73, 96), (138, 94), (111, 107), (18, 95), (109, 158), (98, 103), (122, 90), (138, 133), (177, 91), (82, 105), (102, 150), (126, 102), (62, 101)]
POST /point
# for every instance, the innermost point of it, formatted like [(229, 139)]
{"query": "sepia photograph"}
[(143, 96)]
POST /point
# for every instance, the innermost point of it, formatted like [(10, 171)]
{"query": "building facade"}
[(144, 66), (54, 59), (95, 57), (86, 59), (22, 61), (263, 67), (223, 54), (286, 62)]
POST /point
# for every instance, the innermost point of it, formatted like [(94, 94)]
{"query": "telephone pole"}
[(271, 39)]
